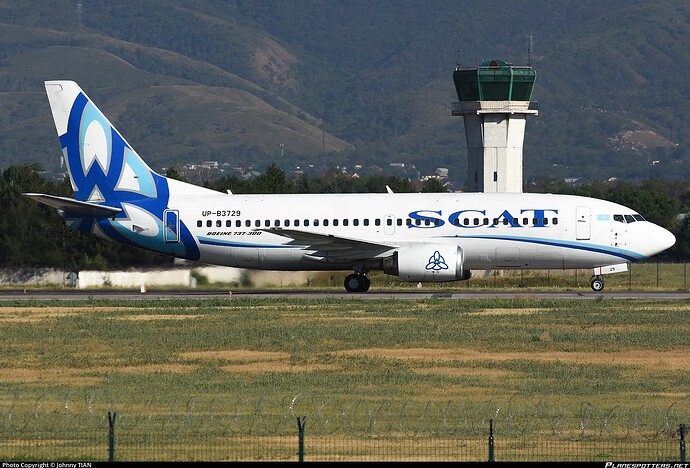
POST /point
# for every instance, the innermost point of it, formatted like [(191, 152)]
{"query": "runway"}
[(74, 295)]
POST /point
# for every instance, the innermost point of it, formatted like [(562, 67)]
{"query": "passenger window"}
[(199, 223), (248, 223), (546, 221), (525, 221), (495, 222), (335, 222), (316, 222), (209, 223), (238, 223), (418, 222), (554, 221), (408, 221), (505, 221), (257, 223), (276, 223), (296, 223), (366, 222), (346, 222), (228, 223), (355, 222), (399, 221), (486, 221), (377, 222), (219, 223), (325, 222), (427, 222), (306, 223), (476, 221), (267, 223), (466, 221), (286, 223)]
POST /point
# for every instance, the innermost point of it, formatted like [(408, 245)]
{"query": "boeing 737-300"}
[(419, 237)]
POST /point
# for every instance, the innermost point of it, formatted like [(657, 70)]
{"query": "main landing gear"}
[(597, 283), (357, 282)]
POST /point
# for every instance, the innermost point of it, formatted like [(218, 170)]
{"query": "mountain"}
[(324, 82)]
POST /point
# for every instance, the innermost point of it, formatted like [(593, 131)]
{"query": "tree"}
[(273, 180), (173, 173), (434, 185)]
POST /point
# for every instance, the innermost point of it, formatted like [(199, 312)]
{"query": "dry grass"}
[(668, 360), (35, 314), (242, 355), (525, 311)]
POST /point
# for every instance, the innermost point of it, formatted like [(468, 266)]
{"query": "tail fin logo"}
[(103, 167), (101, 164)]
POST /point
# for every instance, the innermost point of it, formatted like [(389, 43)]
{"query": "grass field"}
[(430, 358)]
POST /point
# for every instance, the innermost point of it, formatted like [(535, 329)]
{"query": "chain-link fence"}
[(312, 429)]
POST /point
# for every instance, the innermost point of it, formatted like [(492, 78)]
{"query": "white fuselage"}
[(508, 231)]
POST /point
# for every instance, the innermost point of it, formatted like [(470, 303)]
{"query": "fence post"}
[(491, 440), (111, 436), (682, 443), (300, 428), (657, 274)]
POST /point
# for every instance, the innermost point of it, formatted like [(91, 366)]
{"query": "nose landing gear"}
[(597, 283)]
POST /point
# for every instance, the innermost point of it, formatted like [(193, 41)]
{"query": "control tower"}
[(495, 100)]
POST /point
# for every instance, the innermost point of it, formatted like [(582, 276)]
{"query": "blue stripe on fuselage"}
[(621, 253)]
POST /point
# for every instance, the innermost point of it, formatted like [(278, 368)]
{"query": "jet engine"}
[(427, 263)]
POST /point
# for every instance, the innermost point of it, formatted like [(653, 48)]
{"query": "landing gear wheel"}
[(597, 284), (357, 282)]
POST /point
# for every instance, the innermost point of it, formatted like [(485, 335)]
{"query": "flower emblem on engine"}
[(437, 262)]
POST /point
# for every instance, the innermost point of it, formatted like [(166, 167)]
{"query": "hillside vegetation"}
[(362, 81)]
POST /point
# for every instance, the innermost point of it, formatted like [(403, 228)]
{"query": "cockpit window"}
[(619, 218), (629, 219), (639, 217)]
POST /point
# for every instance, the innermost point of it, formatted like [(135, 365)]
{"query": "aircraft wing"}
[(74, 206), (328, 245)]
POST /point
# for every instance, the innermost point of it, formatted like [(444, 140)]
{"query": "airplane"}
[(418, 237)]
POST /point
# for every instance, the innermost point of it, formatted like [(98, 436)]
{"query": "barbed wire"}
[(518, 416)]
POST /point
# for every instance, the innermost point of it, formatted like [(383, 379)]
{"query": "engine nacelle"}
[(427, 263)]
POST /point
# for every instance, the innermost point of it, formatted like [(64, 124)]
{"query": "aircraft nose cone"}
[(662, 240)]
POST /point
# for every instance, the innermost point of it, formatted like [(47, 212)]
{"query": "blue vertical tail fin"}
[(117, 195), (102, 166)]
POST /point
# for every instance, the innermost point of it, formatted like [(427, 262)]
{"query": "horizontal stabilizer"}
[(74, 206)]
